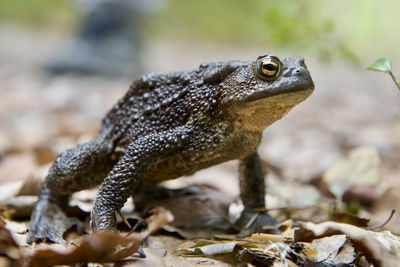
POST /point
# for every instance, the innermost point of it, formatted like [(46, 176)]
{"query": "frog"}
[(169, 125)]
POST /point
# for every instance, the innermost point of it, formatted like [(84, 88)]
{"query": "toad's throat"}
[(259, 114)]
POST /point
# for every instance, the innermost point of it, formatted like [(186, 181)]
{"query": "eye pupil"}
[(270, 67)]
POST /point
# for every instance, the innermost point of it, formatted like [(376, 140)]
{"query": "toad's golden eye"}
[(268, 68)]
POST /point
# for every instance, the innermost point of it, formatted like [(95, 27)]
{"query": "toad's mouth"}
[(304, 84)]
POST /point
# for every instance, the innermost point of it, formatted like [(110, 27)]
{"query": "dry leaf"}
[(328, 249), (346, 254), (207, 207), (260, 247), (8, 247), (308, 250), (381, 249), (103, 247), (286, 228), (284, 263), (189, 247), (345, 217), (219, 248), (159, 257), (264, 238), (160, 217), (265, 253), (99, 247), (258, 238), (361, 167)]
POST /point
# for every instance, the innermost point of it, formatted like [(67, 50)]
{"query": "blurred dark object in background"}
[(109, 41)]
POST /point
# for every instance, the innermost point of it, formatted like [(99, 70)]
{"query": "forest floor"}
[(333, 158)]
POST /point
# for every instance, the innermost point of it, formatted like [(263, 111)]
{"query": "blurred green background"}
[(358, 30)]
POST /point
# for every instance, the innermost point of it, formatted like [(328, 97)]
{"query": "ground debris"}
[(380, 248), (99, 247), (102, 247), (9, 249), (43, 115)]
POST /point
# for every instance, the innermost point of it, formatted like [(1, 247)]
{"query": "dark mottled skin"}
[(169, 125)]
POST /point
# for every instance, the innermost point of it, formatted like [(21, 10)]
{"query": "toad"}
[(170, 125)]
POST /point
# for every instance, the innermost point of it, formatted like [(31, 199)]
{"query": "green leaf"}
[(382, 64)]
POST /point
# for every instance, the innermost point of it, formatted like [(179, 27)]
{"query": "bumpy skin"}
[(169, 125)]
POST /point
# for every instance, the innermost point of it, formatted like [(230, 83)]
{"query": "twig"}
[(133, 229), (396, 81), (124, 219), (251, 221), (383, 224)]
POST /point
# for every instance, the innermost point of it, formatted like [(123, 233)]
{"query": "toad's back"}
[(158, 102)]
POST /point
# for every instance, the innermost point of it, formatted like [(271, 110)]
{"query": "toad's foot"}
[(49, 223), (102, 219), (256, 222)]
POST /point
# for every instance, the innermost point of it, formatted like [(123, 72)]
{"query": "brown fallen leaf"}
[(8, 247), (160, 257), (208, 208), (285, 263), (380, 248), (267, 254), (264, 238), (160, 217), (214, 249), (99, 247), (104, 247), (349, 218), (329, 248), (346, 254), (263, 248)]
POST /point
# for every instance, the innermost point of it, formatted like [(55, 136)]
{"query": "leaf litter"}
[(42, 116), (103, 247)]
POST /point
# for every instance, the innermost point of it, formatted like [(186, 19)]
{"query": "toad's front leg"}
[(127, 174)]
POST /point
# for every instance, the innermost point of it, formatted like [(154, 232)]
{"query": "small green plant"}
[(383, 64)]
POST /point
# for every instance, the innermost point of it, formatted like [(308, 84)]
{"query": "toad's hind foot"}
[(49, 223), (256, 222)]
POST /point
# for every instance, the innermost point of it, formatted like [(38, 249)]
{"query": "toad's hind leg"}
[(75, 169), (252, 193), (48, 220)]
